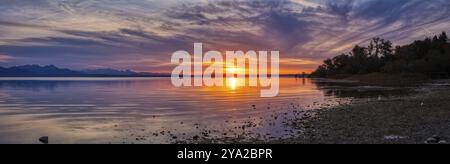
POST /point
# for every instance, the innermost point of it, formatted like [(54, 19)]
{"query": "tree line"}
[(428, 56)]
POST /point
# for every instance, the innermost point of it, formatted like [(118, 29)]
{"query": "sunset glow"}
[(214, 72), (140, 35), (232, 70)]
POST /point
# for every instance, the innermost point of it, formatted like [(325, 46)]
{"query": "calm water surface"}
[(151, 110)]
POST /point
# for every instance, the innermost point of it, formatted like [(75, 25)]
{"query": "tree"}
[(422, 56), (443, 37)]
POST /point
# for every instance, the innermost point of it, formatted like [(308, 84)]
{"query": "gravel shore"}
[(411, 119)]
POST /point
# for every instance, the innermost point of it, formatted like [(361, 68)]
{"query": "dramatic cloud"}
[(141, 35)]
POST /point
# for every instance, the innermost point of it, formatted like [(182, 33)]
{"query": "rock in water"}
[(44, 139)]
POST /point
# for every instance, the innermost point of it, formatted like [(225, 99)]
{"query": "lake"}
[(151, 110)]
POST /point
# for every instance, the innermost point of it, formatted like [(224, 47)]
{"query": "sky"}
[(141, 35)]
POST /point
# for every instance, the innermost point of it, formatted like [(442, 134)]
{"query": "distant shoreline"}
[(111, 76), (384, 79), (78, 76), (53, 71)]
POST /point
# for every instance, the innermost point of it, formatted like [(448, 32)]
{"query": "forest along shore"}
[(418, 118)]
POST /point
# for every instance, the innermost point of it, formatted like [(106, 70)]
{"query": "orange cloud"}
[(298, 61)]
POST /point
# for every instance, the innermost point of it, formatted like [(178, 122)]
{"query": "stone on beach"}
[(431, 140), (44, 139), (435, 139)]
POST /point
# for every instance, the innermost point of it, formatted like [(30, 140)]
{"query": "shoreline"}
[(384, 79), (408, 119)]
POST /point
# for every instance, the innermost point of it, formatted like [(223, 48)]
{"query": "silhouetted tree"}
[(423, 56)]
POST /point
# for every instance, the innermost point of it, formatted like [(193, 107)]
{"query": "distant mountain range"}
[(53, 71)]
